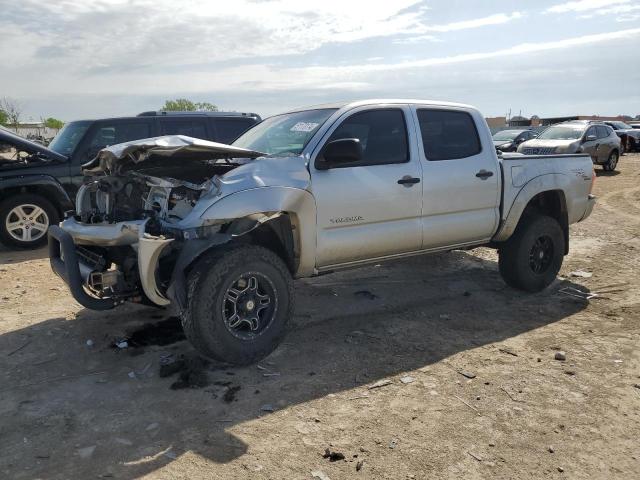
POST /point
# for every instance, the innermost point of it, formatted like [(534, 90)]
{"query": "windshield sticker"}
[(303, 127)]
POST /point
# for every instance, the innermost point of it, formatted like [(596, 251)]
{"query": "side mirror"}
[(591, 138), (340, 152)]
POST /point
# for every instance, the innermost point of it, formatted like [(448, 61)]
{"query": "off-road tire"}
[(612, 161), (14, 201), (204, 320), (515, 256)]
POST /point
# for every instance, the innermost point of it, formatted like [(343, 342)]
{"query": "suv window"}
[(382, 134), (228, 129), (603, 131), (591, 131), (190, 128), (112, 134), (448, 135)]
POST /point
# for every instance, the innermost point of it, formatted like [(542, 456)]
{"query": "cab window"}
[(382, 134), (448, 134)]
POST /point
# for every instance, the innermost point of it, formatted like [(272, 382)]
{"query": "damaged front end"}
[(134, 217)]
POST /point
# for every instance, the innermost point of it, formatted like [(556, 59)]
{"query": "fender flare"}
[(544, 183), (299, 204), (47, 184)]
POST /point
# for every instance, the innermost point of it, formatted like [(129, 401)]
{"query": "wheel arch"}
[(551, 200), (44, 185)]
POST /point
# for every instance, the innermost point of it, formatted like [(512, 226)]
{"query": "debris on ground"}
[(473, 455), (333, 456), (636, 385), (319, 475), (574, 292), (551, 449), (230, 395), (393, 443), (267, 407), (89, 343), (581, 274), (380, 383), (407, 379), (560, 355), (466, 374), (192, 370), (508, 352), (366, 294), (359, 465), (86, 452)]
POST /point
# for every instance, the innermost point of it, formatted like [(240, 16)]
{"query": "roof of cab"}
[(374, 101)]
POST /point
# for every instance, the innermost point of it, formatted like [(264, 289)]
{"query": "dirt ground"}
[(73, 406)]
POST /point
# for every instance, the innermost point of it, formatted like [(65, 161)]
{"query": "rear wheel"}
[(25, 219), (240, 300), (612, 161), (532, 257)]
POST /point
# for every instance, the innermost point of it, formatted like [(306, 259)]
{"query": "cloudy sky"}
[(94, 58)]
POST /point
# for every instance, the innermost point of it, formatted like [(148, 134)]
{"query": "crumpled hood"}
[(122, 156)]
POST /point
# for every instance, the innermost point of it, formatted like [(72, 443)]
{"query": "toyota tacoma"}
[(218, 232)]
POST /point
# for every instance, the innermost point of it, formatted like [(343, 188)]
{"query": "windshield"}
[(621, 125), (561, 133), (506, 135), (284, 134), (67, 139)]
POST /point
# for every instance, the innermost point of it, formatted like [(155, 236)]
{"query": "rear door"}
[(362, 210), (461, 189)]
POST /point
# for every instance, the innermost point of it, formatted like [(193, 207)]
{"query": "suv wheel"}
[(25, 219), (532, 257), (239, 302), (612, 161)]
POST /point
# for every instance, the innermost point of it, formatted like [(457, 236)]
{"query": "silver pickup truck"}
[(218, 232)]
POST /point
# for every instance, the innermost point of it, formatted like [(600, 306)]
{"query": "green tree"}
[(53, 123), (4, 118), (186, 105)]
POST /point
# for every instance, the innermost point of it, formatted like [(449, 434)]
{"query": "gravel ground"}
[(467, 383)]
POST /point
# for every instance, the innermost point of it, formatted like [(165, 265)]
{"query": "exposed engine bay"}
[(139, 194), (128, 215)]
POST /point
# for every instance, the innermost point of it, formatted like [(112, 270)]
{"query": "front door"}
[(362, 210), (461, 180), (591, 143)]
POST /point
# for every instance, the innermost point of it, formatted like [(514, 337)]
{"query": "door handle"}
[(484, 174), (408, 181)]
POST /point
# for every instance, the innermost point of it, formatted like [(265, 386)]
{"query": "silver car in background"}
[(596, 139)]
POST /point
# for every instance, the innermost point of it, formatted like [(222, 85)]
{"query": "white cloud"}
[(583, 5), (624, 13), (496, 19)]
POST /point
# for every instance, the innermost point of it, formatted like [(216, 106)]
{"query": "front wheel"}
[(612, 162), (532, 257), (239, 302), (25, 219)]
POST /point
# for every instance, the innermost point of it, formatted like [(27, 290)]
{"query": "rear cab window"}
[(448, 134)]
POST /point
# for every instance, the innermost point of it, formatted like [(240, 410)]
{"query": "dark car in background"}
[(508, 140), (629, 136), (37, 183)]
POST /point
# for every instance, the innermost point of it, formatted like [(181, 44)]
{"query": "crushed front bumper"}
[(66, 264)]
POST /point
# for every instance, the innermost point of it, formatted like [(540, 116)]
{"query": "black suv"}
[(37, 183)]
